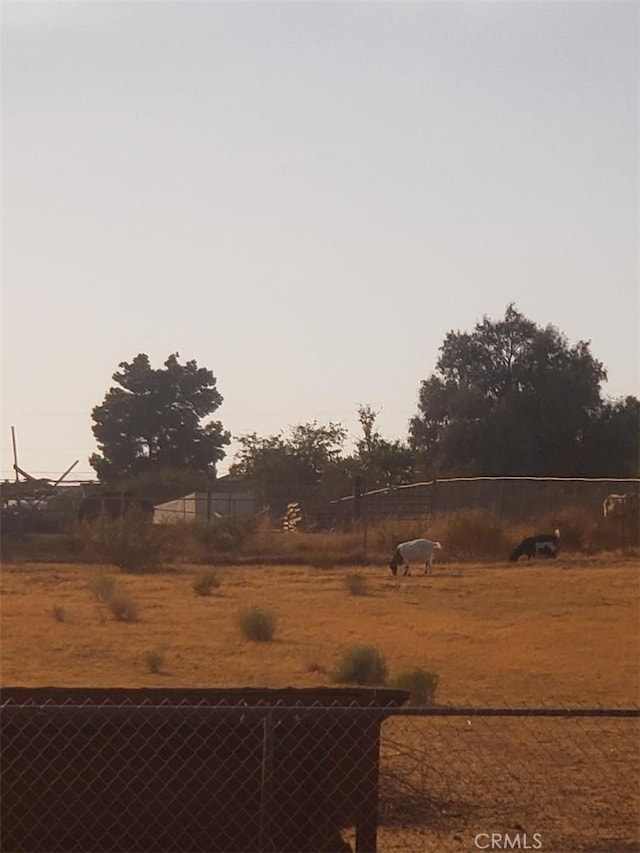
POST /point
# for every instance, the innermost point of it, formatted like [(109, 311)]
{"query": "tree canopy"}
[(151, 420), (303, 466), (307, 465), (512, 398), (382, 463)]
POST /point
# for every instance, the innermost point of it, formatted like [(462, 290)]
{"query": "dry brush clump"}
[(406, 782), (59, 613), (363, 665), (356, 584), (108, 595), (205, 582), (474, 535), (135, 545), (420, 684), (321, 549), (257, 624), (102, 587), (154, 659), (201, 541), (132, 543), (122, 607)]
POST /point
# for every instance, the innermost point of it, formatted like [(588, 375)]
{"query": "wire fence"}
[(325, 777), (509, 498), (558, 781), (515, 498)]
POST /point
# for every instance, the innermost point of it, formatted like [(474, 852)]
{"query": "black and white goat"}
[(415, 551), (534, 546)]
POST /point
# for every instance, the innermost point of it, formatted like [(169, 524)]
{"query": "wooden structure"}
[(187, 770), (20, 499)]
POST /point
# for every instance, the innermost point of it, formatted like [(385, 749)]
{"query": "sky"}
[(305, 198)]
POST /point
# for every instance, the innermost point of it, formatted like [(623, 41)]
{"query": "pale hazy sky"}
[(305, 197)]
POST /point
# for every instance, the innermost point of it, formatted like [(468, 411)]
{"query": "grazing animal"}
[(415, 551), (542, 543), (619, 506), (623, 512)]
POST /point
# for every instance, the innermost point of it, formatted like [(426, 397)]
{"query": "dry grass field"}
[(556, 633)]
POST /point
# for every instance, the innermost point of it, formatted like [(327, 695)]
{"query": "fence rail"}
[(179, 776), (516, 498)]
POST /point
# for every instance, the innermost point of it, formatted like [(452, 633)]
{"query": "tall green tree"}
[(381, 463), (151, 420), (509, 398), (304, 465), (612, 440)]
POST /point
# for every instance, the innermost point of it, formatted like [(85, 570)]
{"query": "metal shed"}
[(205, 506)]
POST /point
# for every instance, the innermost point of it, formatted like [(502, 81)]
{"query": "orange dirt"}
[(557, 633)]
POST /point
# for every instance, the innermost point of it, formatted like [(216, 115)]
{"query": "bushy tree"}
[(380, 462), (612, 440), (303, 465), (511, 398), (151, 420)]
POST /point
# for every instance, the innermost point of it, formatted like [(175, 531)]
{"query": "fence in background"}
[(514, 498), (510, 498), (332, 774)]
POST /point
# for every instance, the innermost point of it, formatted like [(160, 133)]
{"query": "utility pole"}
[(15, 451)]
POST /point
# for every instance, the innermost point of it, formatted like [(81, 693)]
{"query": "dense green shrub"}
[(361, 665), (420, 684), (205, 582), (257, 624)]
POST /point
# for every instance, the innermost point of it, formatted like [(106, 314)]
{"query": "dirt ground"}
[(556, 634)]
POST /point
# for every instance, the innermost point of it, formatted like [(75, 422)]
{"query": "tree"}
[(152, 421), (382, 463), (612, 440), (304, 466), (509, 398)]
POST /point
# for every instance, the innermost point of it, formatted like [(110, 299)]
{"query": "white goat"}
[(619, 506), (415, 551)]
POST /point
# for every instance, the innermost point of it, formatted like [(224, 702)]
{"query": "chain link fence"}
[(177, 770), (556, 780), (319, 771)]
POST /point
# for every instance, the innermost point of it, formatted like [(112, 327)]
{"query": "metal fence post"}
[(367, 826), (266, 782)]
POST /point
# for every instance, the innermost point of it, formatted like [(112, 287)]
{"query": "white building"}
[(229, 498)]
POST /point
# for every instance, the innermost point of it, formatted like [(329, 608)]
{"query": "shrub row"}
[(361, 665), (133, 544)]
